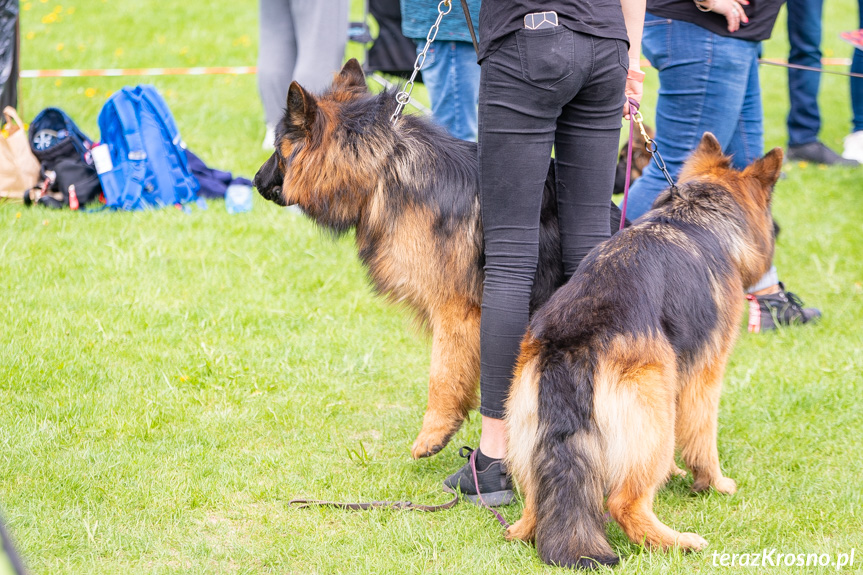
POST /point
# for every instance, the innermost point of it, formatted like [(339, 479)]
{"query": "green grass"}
[(169, 381)]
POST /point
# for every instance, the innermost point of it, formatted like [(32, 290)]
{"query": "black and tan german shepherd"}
[(626, 361), (410, 191)]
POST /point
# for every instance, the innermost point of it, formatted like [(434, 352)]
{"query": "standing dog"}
[(410, 191), (628, 357)]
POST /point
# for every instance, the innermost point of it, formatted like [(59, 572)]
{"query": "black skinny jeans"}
[(541, 88)]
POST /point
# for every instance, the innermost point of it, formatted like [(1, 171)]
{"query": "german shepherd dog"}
[(410, 191), (627, 359)]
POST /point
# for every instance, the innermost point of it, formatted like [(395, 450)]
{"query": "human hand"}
[(731, 9), (634, 89)]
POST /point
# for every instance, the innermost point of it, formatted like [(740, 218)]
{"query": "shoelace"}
[(794, 300)]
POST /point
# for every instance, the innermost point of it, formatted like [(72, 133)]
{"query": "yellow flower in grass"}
[(27, 6), (30, 35), (118, 52), (90, 92), (49, 18), (60, 46), (58, 82), (70, 10)]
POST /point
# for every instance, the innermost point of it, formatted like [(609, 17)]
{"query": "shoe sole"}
[(492, 499)]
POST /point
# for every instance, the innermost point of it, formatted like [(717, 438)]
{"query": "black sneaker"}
[(817, 153), (766, 312), (495, 485)]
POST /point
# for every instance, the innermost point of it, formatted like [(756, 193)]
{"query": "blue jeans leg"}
[(704, 81), (451, 75), (804, 36), (857, 83)]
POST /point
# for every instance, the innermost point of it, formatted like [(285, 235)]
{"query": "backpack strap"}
[(134, 185), (179, 163)]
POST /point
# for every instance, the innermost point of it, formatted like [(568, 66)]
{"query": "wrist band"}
[(636, 75)]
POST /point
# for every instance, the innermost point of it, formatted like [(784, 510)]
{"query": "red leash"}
[(632, 104)]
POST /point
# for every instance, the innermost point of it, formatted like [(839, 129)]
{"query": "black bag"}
[(64, 151)]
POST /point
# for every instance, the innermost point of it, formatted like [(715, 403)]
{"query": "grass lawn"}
[(169, 381)]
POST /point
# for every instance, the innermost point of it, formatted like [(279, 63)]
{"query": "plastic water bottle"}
[(238, 199)]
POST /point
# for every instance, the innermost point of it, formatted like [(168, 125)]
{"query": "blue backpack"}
[(147, 166)]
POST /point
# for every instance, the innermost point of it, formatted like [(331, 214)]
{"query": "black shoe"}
[(782, 308), (495, 485), (817, 153)]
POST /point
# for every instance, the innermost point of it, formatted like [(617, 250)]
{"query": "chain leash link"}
[(653, 150), (404, 96)]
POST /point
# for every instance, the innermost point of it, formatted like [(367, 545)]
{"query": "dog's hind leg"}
[(522, 426), (634, 410), (453, 378), (698, 411)]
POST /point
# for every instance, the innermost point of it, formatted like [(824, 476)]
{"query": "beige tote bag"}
[(19, 168)]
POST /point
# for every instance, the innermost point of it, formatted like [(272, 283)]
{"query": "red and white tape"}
[(243, 70), (113, 72)]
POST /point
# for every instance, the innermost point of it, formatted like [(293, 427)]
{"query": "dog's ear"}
[(352, 75), (706, 160), (766, 170), (709, 145), (302, 107)]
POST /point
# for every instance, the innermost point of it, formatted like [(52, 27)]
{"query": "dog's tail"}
[(568, 465)]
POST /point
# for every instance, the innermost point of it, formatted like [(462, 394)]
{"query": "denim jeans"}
[(804, 36), (707, 83), (857, 83), (451, 76), (541, 88)]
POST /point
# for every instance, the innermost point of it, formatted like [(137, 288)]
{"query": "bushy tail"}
[(569, 467)]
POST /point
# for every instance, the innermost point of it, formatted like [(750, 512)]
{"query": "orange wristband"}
[(636, 75)]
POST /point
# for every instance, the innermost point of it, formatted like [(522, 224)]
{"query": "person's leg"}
[(804, 37), (277, 56), (586, 148), (322, 32), (516, 133), (451, 76), (702, 83), (854, 141)]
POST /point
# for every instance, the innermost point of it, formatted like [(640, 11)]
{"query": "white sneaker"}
[(269, 143), (854, 146)]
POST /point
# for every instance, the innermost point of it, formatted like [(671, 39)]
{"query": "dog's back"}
[(635, 343)]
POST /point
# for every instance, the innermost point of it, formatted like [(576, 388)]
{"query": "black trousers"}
[(541, 88)]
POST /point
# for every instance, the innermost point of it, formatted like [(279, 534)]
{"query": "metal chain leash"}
[(404, 96), (653, 150)]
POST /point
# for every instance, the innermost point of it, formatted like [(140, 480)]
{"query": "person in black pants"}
[(557, 80)]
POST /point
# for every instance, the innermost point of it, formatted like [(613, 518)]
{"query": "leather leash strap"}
[(470, 25), (407, 505)]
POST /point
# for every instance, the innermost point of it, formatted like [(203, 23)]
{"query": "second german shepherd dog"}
[(410, 191), (626, 360)]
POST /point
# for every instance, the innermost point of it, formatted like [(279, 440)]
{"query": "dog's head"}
[(303, 132), (712, 188), (640, 159)]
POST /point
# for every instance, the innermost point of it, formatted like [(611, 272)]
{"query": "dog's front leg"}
[(453, 378)]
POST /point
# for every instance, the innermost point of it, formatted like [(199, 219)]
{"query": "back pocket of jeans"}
[(546, 55)]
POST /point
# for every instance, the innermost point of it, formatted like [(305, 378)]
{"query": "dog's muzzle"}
[(268, 181)]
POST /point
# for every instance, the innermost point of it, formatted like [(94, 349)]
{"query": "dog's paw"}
[(691, 542), (434, 435), (676, 471), (421, 448), (725, 485), (520, 530)]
